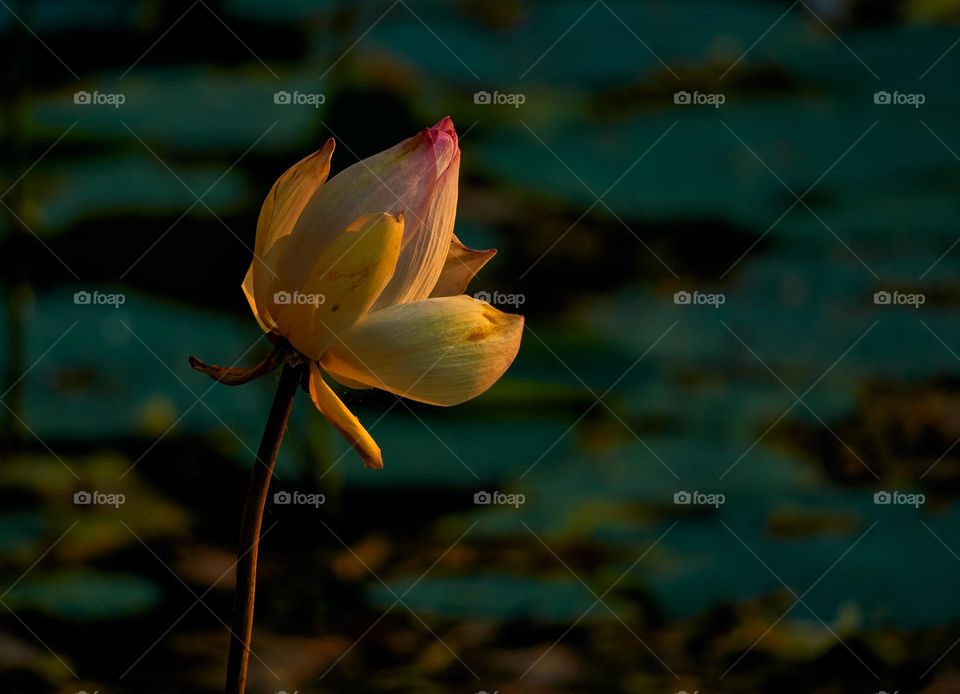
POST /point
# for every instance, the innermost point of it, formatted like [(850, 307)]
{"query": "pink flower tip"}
[(444, 126)]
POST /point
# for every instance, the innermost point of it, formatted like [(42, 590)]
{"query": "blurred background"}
[(724, 461)]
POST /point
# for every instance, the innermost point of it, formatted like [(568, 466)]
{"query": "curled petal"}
[(234, 376), (344, 281), (343, 420), (417, 176), (461, 265), (441, 351)]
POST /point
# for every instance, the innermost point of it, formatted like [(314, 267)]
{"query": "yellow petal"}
[(247, 287), (349, 383), (461, 265), (278, 215), (263, 274), (343, 420), (345, 279), (289, 195), (442, 351)]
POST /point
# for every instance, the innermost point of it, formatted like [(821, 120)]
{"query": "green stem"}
[(242, 628)]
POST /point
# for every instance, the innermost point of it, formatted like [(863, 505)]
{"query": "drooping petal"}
[(280, 211), (441, 351), (344, 281), (343, 420), (418, 177), (461, 265)]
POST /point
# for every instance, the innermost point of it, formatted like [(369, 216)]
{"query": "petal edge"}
[(460, 267), (343, 420), (441, 351)]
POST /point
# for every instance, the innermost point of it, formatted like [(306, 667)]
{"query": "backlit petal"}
[(425, 249), (343, 420), (442, 351), (280, 211), (247, 287), (289, 195), (460, 266), (419, 178), (264, 272)]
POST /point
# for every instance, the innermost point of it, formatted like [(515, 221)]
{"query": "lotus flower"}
[(364, 277)]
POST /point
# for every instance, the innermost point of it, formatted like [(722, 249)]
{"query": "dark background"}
[(798, 398)]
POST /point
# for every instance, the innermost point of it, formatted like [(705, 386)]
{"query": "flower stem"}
[(242, 628)]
